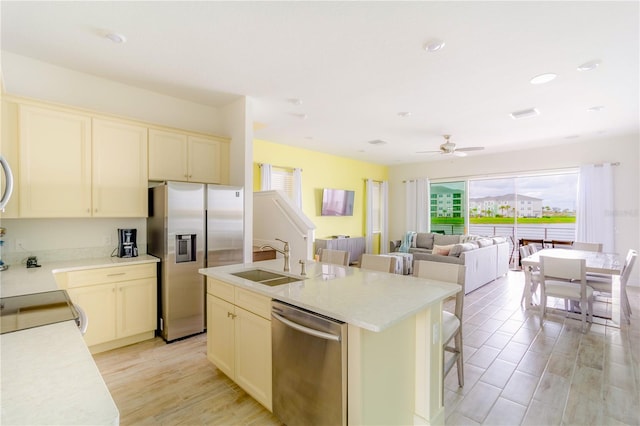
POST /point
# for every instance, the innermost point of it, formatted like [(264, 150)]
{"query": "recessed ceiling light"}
[(116, 38), (377, 142), (572, 137), (596, 108), (295, 101), (543, 78), (525, 113), (404, 114), (589, 66), (433, 45)]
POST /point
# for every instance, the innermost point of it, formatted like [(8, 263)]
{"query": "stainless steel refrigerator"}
[(184, 220)]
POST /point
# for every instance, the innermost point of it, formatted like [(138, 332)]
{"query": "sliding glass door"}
[(448, 207)]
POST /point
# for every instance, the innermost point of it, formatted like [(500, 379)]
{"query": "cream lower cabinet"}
[(185, 158), (239, 337), (120, 303)]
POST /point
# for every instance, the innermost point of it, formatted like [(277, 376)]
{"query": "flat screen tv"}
[(337, 202)]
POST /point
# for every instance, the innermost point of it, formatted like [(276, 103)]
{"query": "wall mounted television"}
[(337, 202)]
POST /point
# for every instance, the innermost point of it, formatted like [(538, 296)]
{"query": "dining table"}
[(609, 264)]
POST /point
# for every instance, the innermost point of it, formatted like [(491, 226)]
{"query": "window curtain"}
[(265, 177), (297, 187), (369, 217), (594, 221), (384, 217), (417, 207)]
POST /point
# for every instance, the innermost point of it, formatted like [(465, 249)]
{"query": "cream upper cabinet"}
[(181, 157), (54, 176), (74, 166), (119, 169), (204, 160)]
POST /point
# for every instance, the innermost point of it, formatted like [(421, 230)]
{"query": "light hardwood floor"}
[(516, 372)]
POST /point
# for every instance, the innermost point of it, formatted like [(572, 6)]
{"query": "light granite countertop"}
[(368, 299), (19, 279), (48, 376)]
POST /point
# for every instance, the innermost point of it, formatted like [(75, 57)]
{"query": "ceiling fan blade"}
[(428, 152), (471, 148), (459, 153)]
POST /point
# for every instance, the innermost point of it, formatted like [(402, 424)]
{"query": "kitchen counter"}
[(19, 279), (48, 375), (370, 300), (394, 326)]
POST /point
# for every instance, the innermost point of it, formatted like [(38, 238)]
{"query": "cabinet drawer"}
[(219, 289), (252, 302), (110, 275)]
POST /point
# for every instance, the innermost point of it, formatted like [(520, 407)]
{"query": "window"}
[(282, 179), (447, 207)]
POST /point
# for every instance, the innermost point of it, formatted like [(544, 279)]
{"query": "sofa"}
[(486, 258)]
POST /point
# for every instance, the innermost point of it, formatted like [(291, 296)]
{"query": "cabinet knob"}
[(231, 315)]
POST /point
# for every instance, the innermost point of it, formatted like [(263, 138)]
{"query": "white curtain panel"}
[(384, 213), (417, 205), (297, 187), (594, 221), (265, 177), (369, 218), (410, 223)]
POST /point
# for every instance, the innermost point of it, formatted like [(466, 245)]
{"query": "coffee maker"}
[(127, 243)]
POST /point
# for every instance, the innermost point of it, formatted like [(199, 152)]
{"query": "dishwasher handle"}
[(306, 330)]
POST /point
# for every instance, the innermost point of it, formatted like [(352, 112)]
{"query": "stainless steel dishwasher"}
[(309, 353)]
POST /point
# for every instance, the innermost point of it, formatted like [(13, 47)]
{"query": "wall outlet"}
[(20, 244)]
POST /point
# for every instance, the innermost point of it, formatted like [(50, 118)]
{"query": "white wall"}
[(618, 149), (65, 238)]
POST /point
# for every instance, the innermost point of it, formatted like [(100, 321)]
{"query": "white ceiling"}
[(356, 65)]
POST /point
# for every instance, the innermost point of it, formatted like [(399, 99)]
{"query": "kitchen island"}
[(394, 322)]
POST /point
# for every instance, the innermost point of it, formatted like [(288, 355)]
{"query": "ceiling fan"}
[(449, 148)]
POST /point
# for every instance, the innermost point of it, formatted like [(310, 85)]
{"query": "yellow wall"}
[(320, 171)]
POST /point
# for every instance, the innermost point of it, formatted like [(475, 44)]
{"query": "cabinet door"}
[(253, 355), (167, 156), (119, 169), (99, 303), (136, 307), (220, 334), (55, 163), (204, 160)]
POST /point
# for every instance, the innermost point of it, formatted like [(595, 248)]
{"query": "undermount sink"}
[(266, 277)]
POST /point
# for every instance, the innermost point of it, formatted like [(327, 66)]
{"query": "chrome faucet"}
[(286, 252)]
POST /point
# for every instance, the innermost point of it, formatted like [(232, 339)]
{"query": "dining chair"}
[(534, 273), (337, 257), (561, 244), (451, 321), (580, 245), (604, 285), (378, 263), (536, 244), (565, 279)]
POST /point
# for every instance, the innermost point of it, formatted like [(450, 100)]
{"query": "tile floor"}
[(516, 372), (519, 372)]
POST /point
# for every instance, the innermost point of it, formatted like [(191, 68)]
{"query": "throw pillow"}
[(458, 249), (442, 250)]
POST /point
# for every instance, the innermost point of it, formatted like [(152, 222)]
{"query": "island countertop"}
[(368, 299)]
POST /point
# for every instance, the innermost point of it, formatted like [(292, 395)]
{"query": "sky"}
[(557, 191)]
